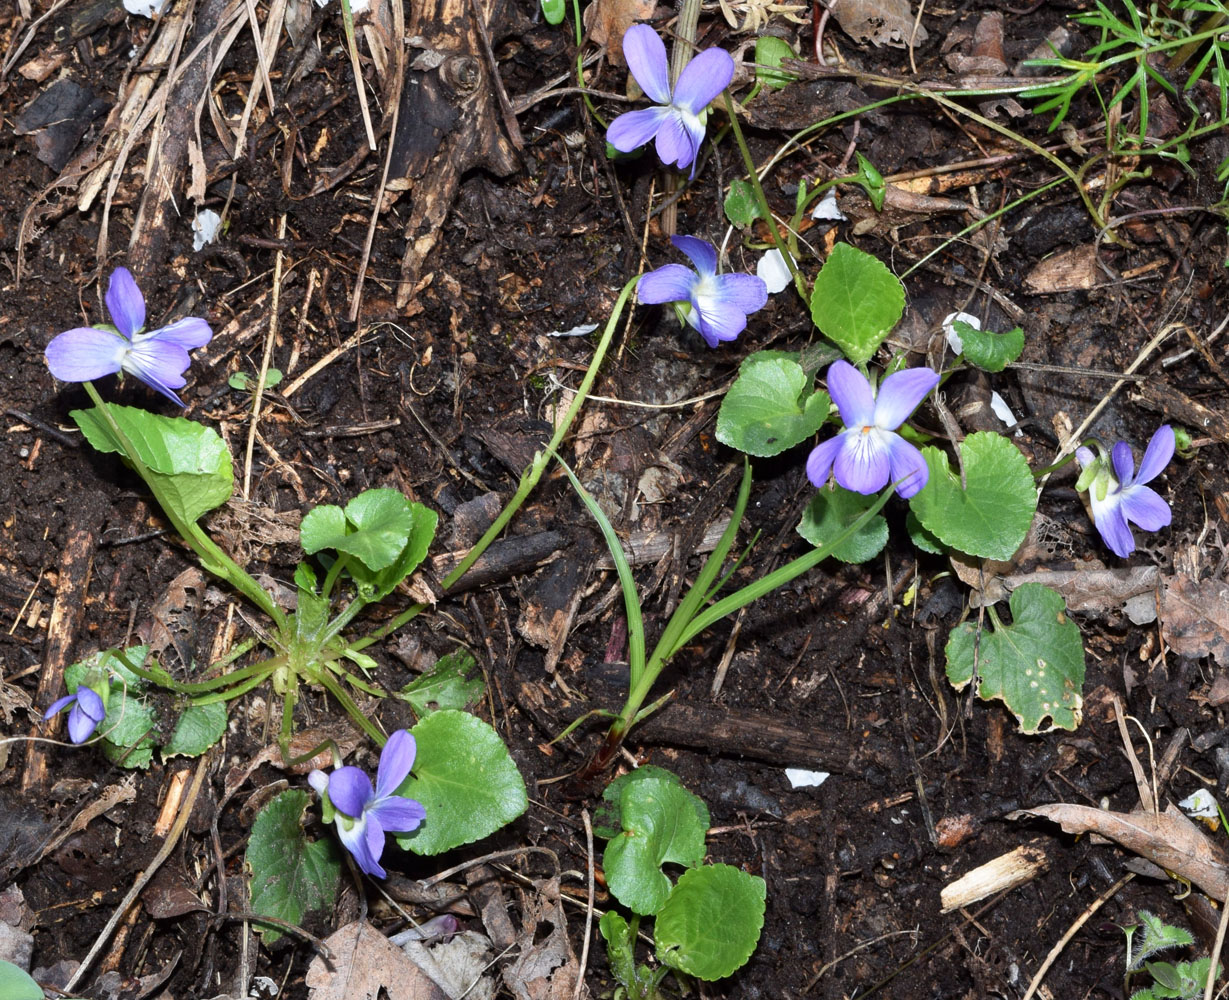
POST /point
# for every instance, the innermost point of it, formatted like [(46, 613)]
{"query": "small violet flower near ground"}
[(677, 122), (365, 814), (719, 303), (87, 712), (158, 358), (1120, 498), (868, 454)]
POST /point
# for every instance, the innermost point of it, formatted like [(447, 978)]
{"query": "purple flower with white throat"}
[(868, 454), (716, 304), (677, 123), (158, 357), (365, 814), (87, 712), (1120, 498)]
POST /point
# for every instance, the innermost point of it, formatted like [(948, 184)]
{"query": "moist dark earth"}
[(447, 394)]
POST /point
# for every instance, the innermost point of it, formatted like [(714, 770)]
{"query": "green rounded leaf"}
[(990, 517), (1035, 665), (770, 408), (770, 52), (128, 730), (373, 528), (711, 923), (740, 206), (189, 461), (466, 781), (199, 728), (553, 11), (834, 510), (607, 822), (661, 823), (987, 350), (445, 685), (375, 585), (921, 538), (15, 984), (291, 875), (856, 301)]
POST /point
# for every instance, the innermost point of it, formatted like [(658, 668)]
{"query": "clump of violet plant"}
[(1120, 498), (715, 304), (868, 454), (677, 123), (158, 357)]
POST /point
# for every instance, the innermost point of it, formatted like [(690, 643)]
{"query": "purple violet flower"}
[(88, 711), (719, 303), (678, 121), (158, 358), (1120, 498), (365, 814), (868, 454)]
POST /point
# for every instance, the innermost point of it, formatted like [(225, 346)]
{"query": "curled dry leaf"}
[(1195, 617), (1167, 839), (607, 20), (884, 22)]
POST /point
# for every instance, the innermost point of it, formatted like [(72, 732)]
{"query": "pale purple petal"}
[(819, 462), (159, 365), (319, 781), (745, 292), (716, 321), (1115, 532), (671, 283), (900, 394), (1143, 506), (398, 814), (125, 302), (1124, 463), (374, 836), (80, 726), (85, 353), (909, 468), (354, 837), (702, 79), (189, 332), (91, 704), (1084, 456), (396, 759), (852, 394), (645, 53), (678, 141), (862, 464), (633, 129), (59, 705), (1160, 451), (350, 791), (702, 253)]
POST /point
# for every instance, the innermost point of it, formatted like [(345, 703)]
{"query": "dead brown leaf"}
[(608, 20), (1195, 617), (884, 22), (365, 962), (1167, 839), (1070, 271)]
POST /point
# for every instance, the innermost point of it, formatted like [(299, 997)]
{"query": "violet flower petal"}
[(633, 129), (399, 814), (819, 462), (1115, 531), (701, 253), (80, 726), (900, 394), (354, 839), (670, 283), (1160, 450), (189, 333), (852, 394), (91, 704), (85, 353), (1143, 506), (125, 302), (908, 467), (862, 464), (702, 79), (678, 140), (745, 292), (374, 834), (159, 365), (350, 790), (645, 54), (59, 705), (1124, 463), (396, 760)]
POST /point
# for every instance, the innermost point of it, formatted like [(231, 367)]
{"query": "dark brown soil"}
[(447, 398)]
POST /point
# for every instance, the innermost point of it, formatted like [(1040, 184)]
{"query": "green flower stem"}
[(210, 554), (762, 201), (163, 679), (231, 693), (337, 691)]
